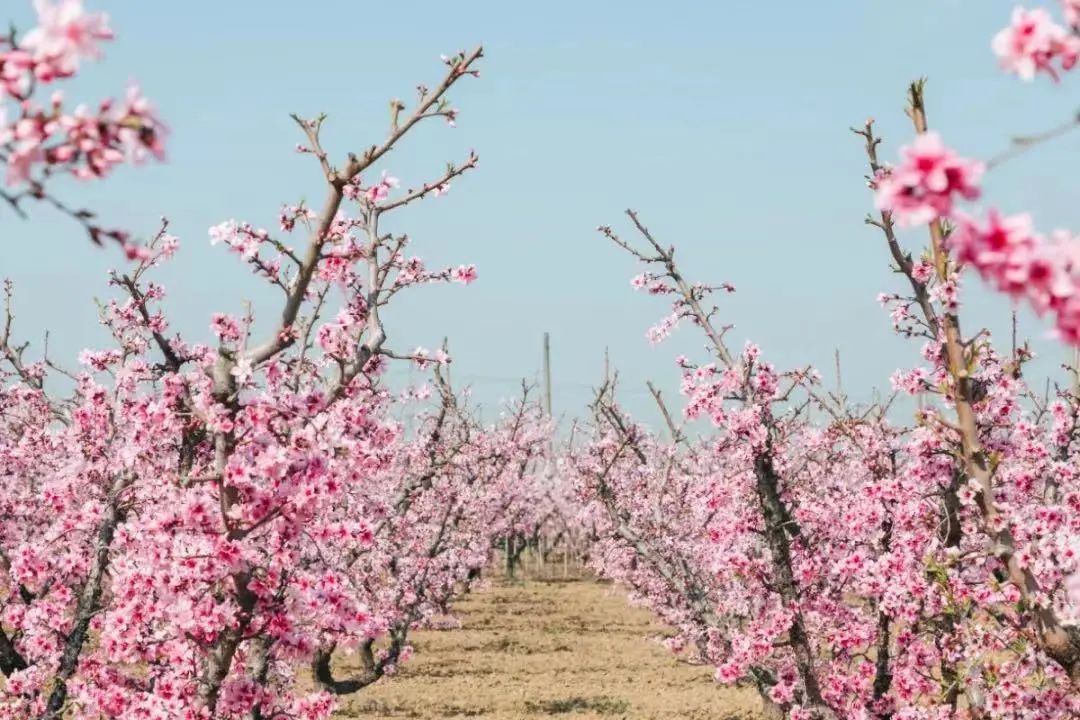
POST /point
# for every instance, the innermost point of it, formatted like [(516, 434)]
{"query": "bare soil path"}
[(558, 649)]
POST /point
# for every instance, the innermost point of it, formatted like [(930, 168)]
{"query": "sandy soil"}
[(556, 648)]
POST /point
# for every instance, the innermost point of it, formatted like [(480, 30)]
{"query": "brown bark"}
[(89, 601), (10, 658), (778, 525)]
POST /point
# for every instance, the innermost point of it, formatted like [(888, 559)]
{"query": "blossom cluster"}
[(40, 139), (1034, 43), (1005, 251)]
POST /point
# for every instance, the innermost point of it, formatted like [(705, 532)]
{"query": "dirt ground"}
[(549, 647)]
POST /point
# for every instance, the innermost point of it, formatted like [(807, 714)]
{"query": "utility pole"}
[(549, 461), (547, 374), (841, 399)]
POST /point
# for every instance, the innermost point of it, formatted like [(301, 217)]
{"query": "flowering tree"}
[(437, 510), (544, 514), (167, 528), (863, 569), (682, 527), (755, 431), (40, 140), (1015, 259), (197, 524), (856, 569)]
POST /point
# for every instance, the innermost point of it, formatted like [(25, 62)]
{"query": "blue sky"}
[(724, 124)]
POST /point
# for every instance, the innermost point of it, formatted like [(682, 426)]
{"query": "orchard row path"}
[(549, 647)]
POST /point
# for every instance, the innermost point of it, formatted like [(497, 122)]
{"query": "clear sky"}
[(724, 123)]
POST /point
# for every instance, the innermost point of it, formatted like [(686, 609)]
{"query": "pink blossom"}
[(243, 370), (1009, 254), (381, 190), (465, 274), (66, 33), (223, 232), (140, 131), (661, 330), (21, 162), (225, 327), (38, 143), (990, 247), (923, 187), (1071, 8), (912, 383), (1034, 43)]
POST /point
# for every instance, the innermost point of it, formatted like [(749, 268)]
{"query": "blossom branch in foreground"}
[(972, 379), (40, 142)]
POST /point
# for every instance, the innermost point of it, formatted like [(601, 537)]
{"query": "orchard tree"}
[(164, 525), (926, 189), (863, 569), (850, 569)]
